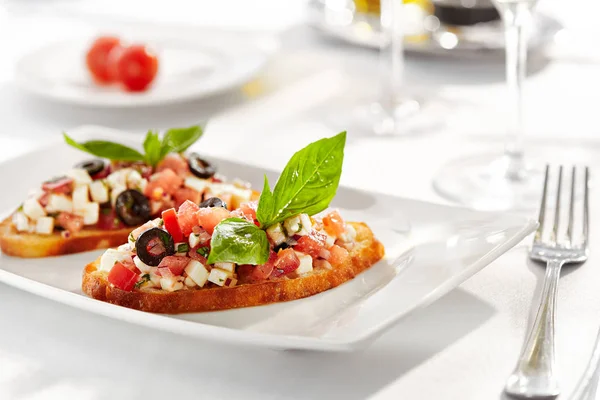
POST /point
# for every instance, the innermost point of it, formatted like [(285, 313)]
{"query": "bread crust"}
[(367, 252), (31, 245)]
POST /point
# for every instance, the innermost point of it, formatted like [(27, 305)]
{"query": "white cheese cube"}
[(80, 176), (239, 196), (219, 276), (194, 240), (306, 263), (142, 266), (58, 203), (118, 178), (99, 192), (154, 278), (170, 284), (21, 221), (276, 234), (305, 225), (33, 209), (349, 235), (90, 213), (197, 272), (141, 186), (125, 247), (80, 197), (133, 179), (189, 282), (44, 226), (226, 266), (329, 240), (115, 192), (196, 183), (112, 256), (292, 225)]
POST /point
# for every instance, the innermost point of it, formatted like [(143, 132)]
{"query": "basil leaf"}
[(307, 184), (104, 149), (152, 148), (238, 241), (179, 139)]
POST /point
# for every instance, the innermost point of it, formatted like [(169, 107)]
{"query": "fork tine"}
[(557, 209), (542, 214), (586, 207), (571, 206)]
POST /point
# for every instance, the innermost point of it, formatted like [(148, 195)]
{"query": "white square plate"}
[(430, 249)]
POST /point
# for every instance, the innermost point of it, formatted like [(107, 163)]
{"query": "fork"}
[(534, 375)]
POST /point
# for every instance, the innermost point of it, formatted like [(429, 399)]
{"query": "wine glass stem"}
[(391, 54), (516, 16)]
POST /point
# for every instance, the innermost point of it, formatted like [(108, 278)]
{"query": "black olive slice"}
[(91, 166), (199, 167), (153, 245), (213, 202), (133, 208)]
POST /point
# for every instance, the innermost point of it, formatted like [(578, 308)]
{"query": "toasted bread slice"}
[(31, 245), (365, 253)]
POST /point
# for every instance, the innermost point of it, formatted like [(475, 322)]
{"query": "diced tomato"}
[(172, 224), (164, 272), (210, 217), (186, 214), (287, 261), (334, 224), (122, 277), (129, 264), (311, 244), (338, 255), (43, 200), (176, 264), (108, 220), (193, 254), (167, 180), (257, 273), (174, 162), (183, 193), (59, 185), (102, 174), (248, 210), (71, 222)]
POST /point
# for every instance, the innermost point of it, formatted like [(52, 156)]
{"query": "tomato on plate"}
[(287, 261), (122, 277), (172, 224), (98, 58), (135, 67)]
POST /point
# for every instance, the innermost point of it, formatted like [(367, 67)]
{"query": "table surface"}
[(461, 347)]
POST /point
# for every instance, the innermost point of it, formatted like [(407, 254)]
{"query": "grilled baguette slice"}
[(365, 253)]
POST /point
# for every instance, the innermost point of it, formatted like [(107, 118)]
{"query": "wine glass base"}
[(488, 182)]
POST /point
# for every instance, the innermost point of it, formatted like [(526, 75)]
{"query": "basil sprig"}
[(174, 140), (307, 184)]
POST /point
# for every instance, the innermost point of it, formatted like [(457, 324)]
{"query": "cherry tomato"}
[(172, 225), (135, 67), (97, 58), (122, 277)]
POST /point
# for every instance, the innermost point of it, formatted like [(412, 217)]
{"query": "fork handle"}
[(588, 385), (534, 374)]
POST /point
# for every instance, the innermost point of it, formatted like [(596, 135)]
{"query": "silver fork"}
[(534, 375)]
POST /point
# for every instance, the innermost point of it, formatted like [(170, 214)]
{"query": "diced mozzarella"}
[(115, 192), (80, 176), (154, 278), (99, 192), (197, 272), (219, 276), (189, 282), (226, 266), (292, 225), (305, 225), (133, 178), (58, 203), (112, 256), (125, 247), (21, 222), (329, 240), (44, 225), (196, 183), (80, 197), (118, 178), (142, 266), (90, 213), (142, 185), (238, 195), (33, 209), (194, 240), (306, 263), (170, 284), (349, 235), (276, 234)]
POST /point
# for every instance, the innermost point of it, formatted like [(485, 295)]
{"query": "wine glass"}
[(506, 182)]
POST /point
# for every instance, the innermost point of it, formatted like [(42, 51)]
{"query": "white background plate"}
[(427, 254), (189, 68)]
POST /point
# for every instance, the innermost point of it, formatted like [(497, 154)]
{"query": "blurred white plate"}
[(430, 250), (190, 68)]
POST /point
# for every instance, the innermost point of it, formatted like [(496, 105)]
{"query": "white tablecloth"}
[(461, 347)]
